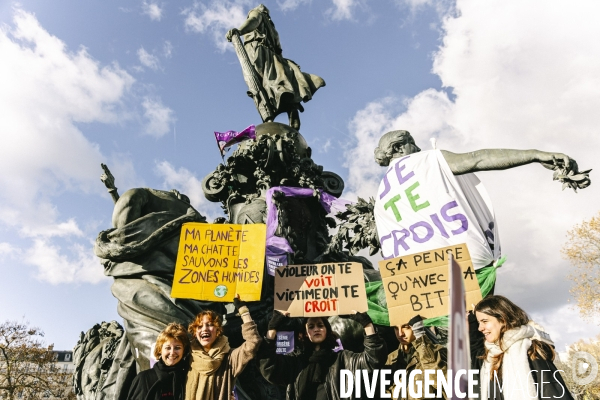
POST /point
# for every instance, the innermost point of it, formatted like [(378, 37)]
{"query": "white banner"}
[(421, 205)]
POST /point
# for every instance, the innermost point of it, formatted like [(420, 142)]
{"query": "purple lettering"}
[(421, 224), (386, 185), (400, 241), (383, 239), (464, 224), (399, 168), (439, 225)]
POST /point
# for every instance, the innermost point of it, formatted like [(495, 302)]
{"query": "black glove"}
[(277, 319), (361, 317), (240, 306), (416, 323)]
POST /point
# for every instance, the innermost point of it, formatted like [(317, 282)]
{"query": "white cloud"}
[(153, 10), (343, 9), (565, 334), (186, 182), (167, 49), (291, 5), (158, 117), (7, 249), (148, 60), (46, 90), (217, 19), (522, 81), (62, 229), (55, 267)]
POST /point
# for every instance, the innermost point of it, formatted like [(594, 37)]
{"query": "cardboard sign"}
[(320, 290), (419, 283), (217, 261)]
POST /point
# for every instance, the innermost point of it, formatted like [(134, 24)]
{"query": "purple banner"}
[(285, 342), (229, 138), (278, 247)]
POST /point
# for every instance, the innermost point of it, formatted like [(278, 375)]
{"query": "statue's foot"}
[(294, 117)]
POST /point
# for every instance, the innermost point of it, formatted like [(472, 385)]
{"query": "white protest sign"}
[(421, 205), (459, 357)]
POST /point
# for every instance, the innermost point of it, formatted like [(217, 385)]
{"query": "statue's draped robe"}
[(286, 86)]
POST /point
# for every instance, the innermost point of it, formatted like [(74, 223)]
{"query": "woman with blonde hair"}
[(517, 356), (166, 379), (215, 366)]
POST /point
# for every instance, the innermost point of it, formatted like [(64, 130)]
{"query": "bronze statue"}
[(399, 143), (275, 83)]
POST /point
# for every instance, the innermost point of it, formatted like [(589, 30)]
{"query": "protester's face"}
[(316, 330), (404, 334), (206, 333), (489, 326), (171, 352)]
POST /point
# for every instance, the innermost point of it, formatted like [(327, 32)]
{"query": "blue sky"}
[(142, 85)]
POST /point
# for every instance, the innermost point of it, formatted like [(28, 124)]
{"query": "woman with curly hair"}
[(215, 366), (166, 379), (517, 355)]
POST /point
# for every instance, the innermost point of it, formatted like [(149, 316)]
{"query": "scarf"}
[(517, 382), (201, 378), (172, 377), (315, 372)]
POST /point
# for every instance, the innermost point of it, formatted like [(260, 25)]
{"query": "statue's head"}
[(394, 144), (262, 8), (180, 196)]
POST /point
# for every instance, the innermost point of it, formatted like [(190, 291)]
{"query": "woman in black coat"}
[(166, 379), (314, 374)]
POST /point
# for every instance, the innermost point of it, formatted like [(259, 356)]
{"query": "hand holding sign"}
[(360, 317), (277, 320)]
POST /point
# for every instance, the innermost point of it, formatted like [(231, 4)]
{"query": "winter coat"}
[(286, 369), (548, 381), (422, 355), (161, 382), (233, 364)]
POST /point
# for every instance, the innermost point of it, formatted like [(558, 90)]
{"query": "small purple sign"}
[(285, 342), (275, 261)]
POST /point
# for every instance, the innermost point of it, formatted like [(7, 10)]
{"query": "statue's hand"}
[(107, 178), (191, 212), (553, 161), (567, 171), (232, 32)]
